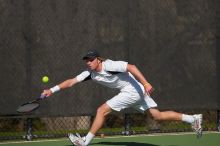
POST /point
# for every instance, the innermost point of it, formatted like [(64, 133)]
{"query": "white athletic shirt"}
[(114, 75)]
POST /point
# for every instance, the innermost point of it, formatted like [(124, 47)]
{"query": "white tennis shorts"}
[(131, 100)]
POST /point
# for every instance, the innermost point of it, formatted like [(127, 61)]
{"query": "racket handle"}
[(42, 96)]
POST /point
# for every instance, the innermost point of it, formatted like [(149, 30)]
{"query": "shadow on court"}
[(123, 144)]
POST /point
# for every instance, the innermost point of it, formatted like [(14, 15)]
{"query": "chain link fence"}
[(116, 124), (174, 43)]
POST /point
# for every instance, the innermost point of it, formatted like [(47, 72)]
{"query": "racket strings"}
[(28, 107)]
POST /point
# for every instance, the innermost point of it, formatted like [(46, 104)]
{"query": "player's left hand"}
[(148, 89)]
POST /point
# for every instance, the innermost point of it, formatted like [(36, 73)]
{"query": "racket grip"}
[(42, 96)]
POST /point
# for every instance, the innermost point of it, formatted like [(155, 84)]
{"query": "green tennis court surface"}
[(208, 139)]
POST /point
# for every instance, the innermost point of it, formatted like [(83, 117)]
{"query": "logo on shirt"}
[(98, 78)]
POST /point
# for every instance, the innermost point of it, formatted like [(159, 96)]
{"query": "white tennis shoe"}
[(197, 125), (76, 139)]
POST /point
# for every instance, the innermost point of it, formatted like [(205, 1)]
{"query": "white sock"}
[(187, 118), (89, 138)]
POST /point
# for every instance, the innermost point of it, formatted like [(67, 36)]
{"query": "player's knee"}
[(100, 111), (156, 115), (103, 110)]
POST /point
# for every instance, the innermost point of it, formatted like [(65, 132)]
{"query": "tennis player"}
[(134, 92)]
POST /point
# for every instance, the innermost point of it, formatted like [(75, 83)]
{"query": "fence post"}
[(127, 124), (218, 120), (29, 135)]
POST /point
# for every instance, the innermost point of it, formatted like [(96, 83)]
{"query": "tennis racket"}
[(30, 106)]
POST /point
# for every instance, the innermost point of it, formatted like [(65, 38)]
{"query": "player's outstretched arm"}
[(65, 84), (68, 83)]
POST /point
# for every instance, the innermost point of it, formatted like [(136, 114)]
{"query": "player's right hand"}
[(47, 93)]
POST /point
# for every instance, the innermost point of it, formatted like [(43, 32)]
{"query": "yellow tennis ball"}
[(45, 79)]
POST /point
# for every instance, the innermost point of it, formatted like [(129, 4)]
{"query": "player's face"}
[(93, 63)]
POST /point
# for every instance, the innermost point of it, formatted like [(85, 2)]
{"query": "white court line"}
[(110, 137)]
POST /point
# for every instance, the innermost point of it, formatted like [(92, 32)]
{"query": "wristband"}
[(146, 84), (55, 89)]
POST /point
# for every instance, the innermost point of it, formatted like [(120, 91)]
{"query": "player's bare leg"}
[(101, 114), (194, 120), (166, 115)]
